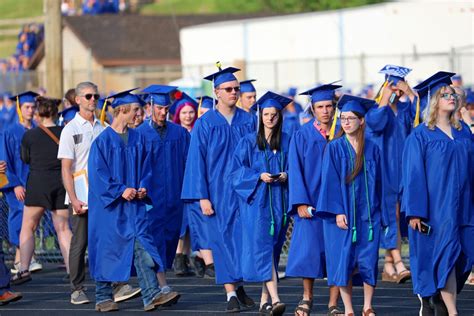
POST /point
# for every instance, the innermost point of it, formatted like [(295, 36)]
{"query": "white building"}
[(351, 44)]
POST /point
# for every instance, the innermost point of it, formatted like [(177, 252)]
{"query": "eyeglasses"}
[(348, 119), (447, 96), (229, 89), (89, 96)]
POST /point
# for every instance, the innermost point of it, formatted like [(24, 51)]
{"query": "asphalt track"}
[(48, 295)]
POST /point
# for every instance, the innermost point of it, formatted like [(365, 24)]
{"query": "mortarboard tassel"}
[(199, 107), (371, 233), (416, 122), (102, 113), (218, 65), (272, 228), (332, 131), (18, 110), (354, 234), (379, 96)]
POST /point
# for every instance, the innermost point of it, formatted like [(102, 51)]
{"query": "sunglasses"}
[(447, 96), (229, 89), (89, 96)]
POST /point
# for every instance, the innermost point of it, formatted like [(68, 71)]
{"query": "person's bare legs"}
[(272, 287), (448, 293), (368, 295), (206, 255), (61, 225), (308, 284), (333, 296), (31, 218), (346, 295)]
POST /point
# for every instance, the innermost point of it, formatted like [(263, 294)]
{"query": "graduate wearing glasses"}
[(260, 179), (208, 179), (438, 186), (349, 202)]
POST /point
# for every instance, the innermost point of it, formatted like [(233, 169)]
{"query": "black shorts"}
[(45, 190)]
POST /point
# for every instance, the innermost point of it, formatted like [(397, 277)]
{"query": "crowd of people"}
[(94, 7), (143, 179)]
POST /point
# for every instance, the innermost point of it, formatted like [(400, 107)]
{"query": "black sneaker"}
[(187, 267), (233, 305), (438, 305), (244, 299), (425, 308), (199, 266), (210, 273), (179, 265)]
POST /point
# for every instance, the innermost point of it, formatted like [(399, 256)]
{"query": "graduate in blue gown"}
[(8, 113), (207, 179), (307, 259), (438, 194), (119, 234), (248, 95), (389, 125), (167, 144), (66, 115), (291, 114), (263, 199), (17, 170), (350, 204)]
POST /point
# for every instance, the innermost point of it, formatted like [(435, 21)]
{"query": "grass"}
[(14, 9), (181, 7)]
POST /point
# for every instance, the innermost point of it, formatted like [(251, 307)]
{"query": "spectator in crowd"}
[(69, 99)]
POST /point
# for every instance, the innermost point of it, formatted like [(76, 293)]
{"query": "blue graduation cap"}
[(433, 83), (223, 75), (68, 113), (394, 73), (25, 97), (247, 86), (456, 77), (182, 99), (125, 97), (103, 101), (292, 91), (206, 102), (470, 97), (158, 94), (271, 100), (323, 92), (350, 103)]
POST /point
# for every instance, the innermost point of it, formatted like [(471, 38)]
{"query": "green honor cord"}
[(354, 228), (270, 194)]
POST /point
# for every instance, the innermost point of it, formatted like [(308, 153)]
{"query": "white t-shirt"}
[(76, 140)]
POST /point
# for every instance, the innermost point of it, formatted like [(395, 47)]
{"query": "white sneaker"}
[(35, 266)]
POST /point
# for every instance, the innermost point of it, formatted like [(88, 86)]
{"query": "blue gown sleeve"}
[(8, 148), (330, 201), (385, 218), (298, 192), (195, 184), (415, 191), (101, 181), (377, 119), (245, 180)]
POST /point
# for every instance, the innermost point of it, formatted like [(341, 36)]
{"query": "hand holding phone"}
[(425, 229), (275, 176)]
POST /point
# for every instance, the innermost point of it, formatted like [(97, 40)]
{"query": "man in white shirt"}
[(74, 146)]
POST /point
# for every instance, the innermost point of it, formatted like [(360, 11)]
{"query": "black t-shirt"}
[(40, 151)]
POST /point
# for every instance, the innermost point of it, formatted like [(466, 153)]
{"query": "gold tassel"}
[(18, 110), (416, 122), (332, 131), (199, 107), (102, 113), (379, 96), (218, 65)]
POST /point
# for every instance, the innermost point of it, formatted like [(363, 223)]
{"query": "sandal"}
[(265, 309), (304, 310), (334, 310), (389, 277), (20, 277), (278, 308), (403, 275), (368, 312)]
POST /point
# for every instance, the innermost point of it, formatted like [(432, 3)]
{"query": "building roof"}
[(124, 40)]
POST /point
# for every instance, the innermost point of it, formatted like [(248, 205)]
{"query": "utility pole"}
[(53, 45)]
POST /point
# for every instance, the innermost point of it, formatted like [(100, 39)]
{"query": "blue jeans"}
[(146, 275)]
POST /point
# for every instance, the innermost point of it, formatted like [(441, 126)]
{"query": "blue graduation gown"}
[(168, 160), (8, 117), (291, 123), (115, 223), (207, 176), (17, 174), (438, 188), (306, 256), (336, 197), (260, 249), (389, 131)]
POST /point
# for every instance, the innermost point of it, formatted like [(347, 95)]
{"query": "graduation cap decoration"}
[(393, 74)]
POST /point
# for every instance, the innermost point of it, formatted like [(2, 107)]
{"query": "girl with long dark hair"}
[(349, 203), (259, 178)]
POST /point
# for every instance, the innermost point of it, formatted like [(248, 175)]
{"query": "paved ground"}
[(48, 295)]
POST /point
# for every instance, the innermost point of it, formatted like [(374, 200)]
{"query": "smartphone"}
[(392, 98), (425, 228), (275, 176)]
